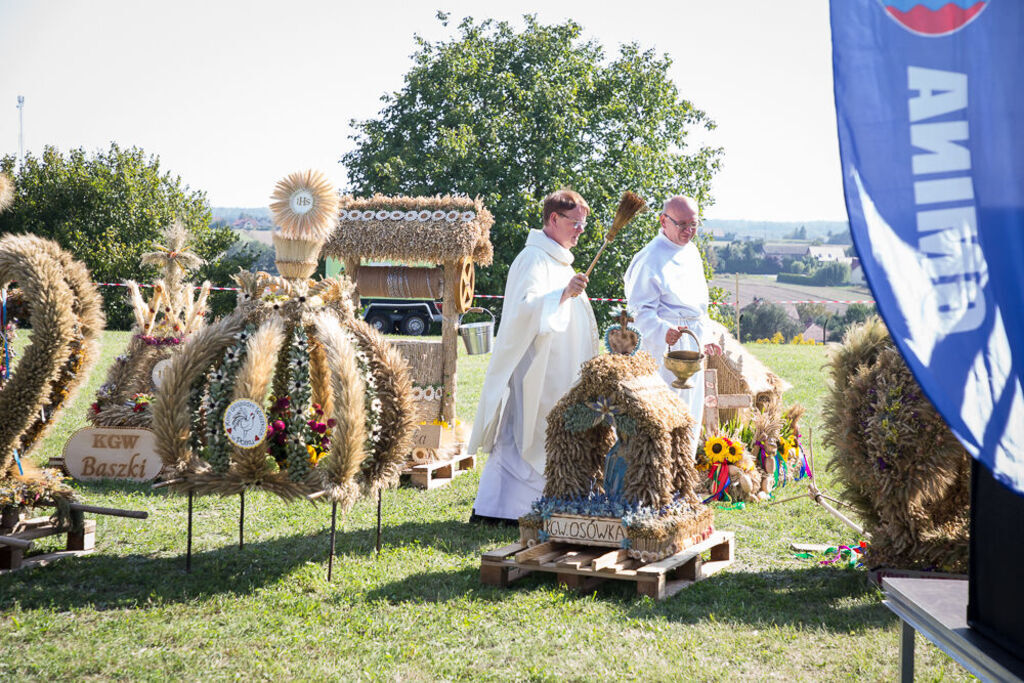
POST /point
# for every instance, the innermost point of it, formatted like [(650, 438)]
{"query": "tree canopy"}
[(511, 116), (110, 207)]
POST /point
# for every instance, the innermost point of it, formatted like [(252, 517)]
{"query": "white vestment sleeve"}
[(644, 295)]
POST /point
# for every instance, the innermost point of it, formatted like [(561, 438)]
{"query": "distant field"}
[(765, 287)]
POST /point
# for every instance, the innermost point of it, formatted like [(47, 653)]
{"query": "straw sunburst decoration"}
[(305, 205)]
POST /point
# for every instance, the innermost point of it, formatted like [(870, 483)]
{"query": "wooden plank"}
[(673, 587), (549, 558), (578, 559), (653, 587), (723, 551), (609, 559), (503, 552), (43, 560), (709, 568), (672, 561), (541, 549), (625, 568), (19, 543), (580, 582), (688, 571), (431, 475), (810, 547), (732, 401)]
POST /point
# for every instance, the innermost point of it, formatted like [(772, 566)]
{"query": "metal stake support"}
[(334, 528), (380, 496), (188, 551), (241, 520)]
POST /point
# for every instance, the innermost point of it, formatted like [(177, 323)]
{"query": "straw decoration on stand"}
[(629, 206), (6, 192), (305, 205), (174, 312)]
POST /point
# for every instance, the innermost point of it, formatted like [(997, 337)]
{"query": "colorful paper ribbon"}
[(719, 474)]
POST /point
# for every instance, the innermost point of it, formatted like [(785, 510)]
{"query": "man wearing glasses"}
[(547, 332), (666, 291)]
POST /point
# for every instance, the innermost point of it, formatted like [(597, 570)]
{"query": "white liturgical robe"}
[(665, 288), (537, 356)]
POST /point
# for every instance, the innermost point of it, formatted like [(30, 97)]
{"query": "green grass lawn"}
[(418, 610)]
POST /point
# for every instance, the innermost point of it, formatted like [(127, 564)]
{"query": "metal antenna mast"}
[(21, 127)]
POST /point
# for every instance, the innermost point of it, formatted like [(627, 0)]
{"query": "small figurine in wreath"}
[(622, 338)]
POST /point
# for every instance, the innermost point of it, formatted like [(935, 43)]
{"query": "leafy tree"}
[(837, 324), (761, 320), (839, 237), (798, 233), (832, 273), (107, 209), (811, 313), (514, 115)]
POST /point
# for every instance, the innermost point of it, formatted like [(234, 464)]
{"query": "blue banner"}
[(930, 107)]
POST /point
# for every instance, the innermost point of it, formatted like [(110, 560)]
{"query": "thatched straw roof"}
[(412, 229), (655, 422), (740, 372)]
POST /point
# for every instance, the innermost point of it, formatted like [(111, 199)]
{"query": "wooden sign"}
[(112, 453), (604, 531), (433, 436)]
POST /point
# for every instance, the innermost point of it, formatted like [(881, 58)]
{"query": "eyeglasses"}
[(579, 225), (695, 223)]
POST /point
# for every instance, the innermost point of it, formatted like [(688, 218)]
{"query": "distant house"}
[(245, 224), (829, 252), (778, 252), (814, 332), (857, 272)]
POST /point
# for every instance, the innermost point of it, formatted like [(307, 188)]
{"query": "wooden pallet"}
[(78, 543), (584, 567), (431, 475)]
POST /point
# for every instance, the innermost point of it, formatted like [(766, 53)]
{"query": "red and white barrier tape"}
[(593, 298), (121, 284)]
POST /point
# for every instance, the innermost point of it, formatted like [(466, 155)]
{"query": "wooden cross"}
[(713, 402), (624, 319)]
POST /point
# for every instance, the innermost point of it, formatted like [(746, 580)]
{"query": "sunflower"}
[(734, 451), (716, 449)]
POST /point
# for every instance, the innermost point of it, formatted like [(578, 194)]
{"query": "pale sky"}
[(234, 95)]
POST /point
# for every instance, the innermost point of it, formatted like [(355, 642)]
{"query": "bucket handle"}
[(685, 330), (478, 309)]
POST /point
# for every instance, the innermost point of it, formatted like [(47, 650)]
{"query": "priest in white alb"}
[(667, 292), (547, 332)]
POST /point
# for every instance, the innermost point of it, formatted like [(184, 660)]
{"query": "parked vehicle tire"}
[(380, 322), (414, 325)]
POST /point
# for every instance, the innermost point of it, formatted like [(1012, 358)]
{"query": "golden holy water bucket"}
[(684, 364)]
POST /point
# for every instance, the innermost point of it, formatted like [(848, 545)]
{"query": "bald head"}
[(679, 219)]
